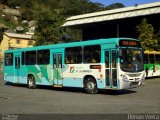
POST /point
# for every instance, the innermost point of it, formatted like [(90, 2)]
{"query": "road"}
[(48, 100)]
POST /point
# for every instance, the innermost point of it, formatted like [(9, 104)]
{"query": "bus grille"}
[(134, 75)]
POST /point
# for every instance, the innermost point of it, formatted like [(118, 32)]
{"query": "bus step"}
[(57, 86)]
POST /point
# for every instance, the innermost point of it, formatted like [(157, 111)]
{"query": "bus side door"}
[(111, 68), (17, 68), (57, 68)]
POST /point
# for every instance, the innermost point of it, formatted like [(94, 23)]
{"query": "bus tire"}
[(31, 82), (90, 85)]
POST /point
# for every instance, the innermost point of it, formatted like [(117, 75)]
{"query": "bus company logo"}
[(72, 69)]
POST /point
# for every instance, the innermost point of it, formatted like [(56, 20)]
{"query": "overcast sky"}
[(125, 2)]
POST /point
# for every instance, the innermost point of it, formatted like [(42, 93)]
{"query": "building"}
[(119, 22), (15, 41)]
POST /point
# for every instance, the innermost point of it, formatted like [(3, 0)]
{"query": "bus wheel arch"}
[(90, 84), (31, 81)]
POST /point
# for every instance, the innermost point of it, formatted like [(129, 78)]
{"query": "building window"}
[(17, 41), (30, 42)]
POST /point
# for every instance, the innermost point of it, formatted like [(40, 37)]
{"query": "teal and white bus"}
[(115, 63)]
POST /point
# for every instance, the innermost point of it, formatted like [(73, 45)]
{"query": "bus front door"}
[(111, 68), (17, 68), (57, 69)]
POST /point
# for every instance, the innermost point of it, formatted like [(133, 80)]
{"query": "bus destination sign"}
[(129, 43)]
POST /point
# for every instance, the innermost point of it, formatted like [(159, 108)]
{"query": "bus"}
[(152, 63), (113, 63)]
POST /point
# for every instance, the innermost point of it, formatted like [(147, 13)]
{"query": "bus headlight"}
[(124, 78), (143, 77)]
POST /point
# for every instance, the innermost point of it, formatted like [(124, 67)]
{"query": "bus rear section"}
[(28, 66)]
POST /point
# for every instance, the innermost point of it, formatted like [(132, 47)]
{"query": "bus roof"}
[(81, 43)]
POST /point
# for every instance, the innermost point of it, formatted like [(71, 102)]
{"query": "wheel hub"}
[(90, 85), (31, 82)]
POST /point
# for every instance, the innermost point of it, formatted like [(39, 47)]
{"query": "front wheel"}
[(31, 82), (90, 85)]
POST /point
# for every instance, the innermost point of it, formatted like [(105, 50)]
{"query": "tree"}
[(13, 3), (146, 35), (1, 34), (27, 14), (158, 39), (51, 14), (114, 6), (45, 30), (48, 30), (3, 1)]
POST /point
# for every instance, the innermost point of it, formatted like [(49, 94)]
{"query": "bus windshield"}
[(131, 59)]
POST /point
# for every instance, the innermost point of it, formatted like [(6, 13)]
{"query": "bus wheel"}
[(31, 82), (90, 86)]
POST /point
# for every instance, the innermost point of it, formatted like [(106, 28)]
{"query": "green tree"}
[(3, 1), (48, 30), (51, 14), (158, 39), (114, 6), (146, 35), (13, 3), (1, 34), (27, 14), (44, 31)]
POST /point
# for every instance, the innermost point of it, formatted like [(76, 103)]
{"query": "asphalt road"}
[(48, 100)]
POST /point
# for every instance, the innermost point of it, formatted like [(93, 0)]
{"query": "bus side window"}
[(67, 61), (73, 55), (43, 57), (92, 54), (146, 59), (157, 58), (30, 58), (8, 59), (151, 58)]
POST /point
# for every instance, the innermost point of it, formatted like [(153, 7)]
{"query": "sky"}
[(125, 2)]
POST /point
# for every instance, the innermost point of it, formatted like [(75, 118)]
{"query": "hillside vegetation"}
[(50, 15)]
